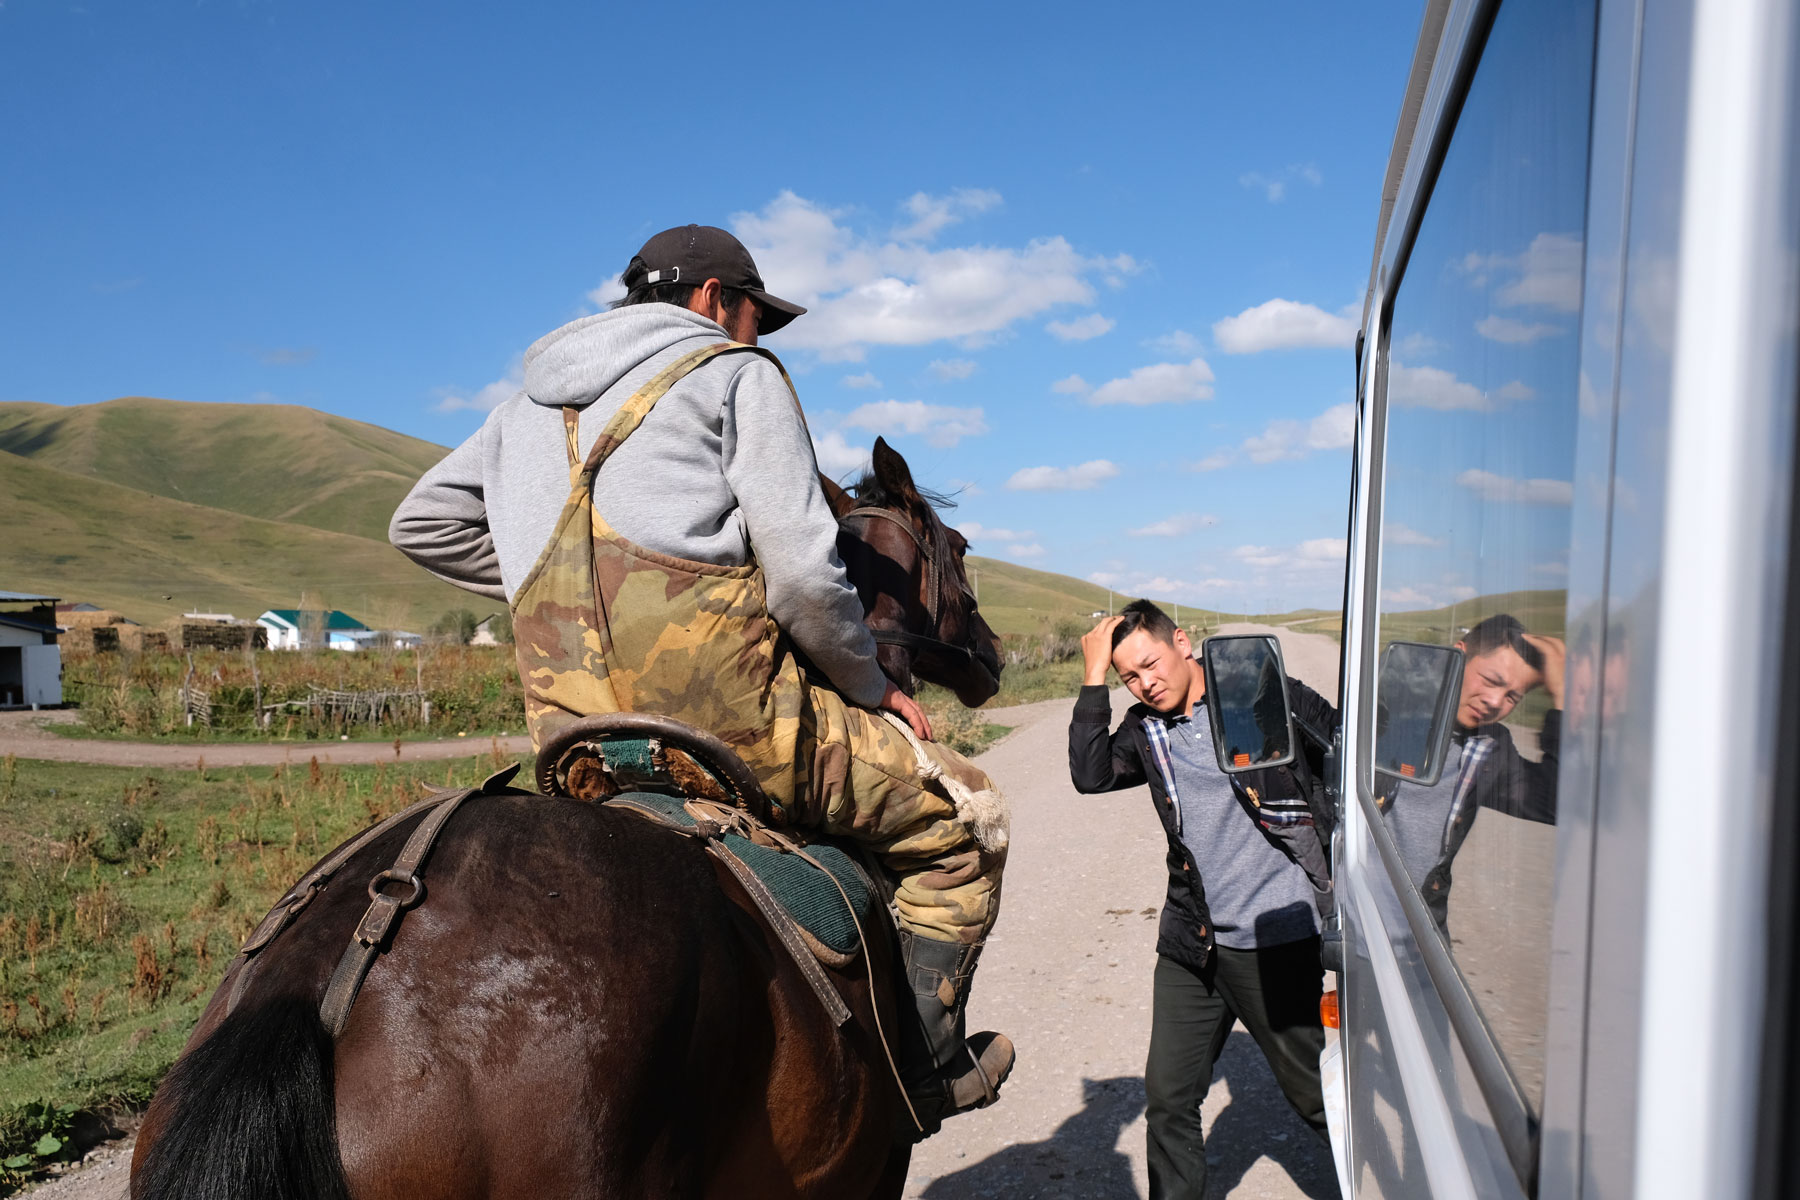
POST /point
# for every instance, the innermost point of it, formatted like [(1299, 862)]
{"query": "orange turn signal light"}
[(1328, 1009)]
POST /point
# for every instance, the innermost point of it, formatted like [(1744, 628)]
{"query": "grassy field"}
[(124, 893), (472, 689)]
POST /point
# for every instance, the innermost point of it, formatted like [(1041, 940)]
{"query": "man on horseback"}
[(687, 558)]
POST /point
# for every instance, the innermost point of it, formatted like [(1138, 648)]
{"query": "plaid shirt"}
[(1269, 813), (1156, 733), (1475, 752)]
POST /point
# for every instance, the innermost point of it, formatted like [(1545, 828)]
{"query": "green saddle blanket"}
[(802, 889)]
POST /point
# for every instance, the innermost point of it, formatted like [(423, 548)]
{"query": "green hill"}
[(276, 461), (1017, 599), (150, 557), (156, 507)]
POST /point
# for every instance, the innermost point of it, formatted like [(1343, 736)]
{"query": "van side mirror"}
[(1416, 696), (1247, 703)]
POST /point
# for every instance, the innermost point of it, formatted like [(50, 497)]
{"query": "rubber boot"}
[(944, 1072)]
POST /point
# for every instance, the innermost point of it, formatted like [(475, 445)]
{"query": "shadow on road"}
[(1259, 1123), (1079, 1159)]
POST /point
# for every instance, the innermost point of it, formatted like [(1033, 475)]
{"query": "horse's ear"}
[(892, 473), (836, 497)]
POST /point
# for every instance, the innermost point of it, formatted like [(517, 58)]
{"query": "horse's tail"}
[(248, 1113)]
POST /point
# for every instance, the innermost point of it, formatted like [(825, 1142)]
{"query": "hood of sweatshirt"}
[(574, 365)]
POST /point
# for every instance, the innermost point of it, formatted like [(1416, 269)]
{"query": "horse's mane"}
[(869, 491)]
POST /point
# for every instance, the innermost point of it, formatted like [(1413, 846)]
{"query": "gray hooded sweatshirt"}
[(721, 468)]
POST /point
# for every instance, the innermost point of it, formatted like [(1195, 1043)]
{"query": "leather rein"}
[(932, 555)]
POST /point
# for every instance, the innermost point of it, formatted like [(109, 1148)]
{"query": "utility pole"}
[(1109, 602)]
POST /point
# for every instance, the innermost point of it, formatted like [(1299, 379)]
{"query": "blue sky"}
[(1095, 272)]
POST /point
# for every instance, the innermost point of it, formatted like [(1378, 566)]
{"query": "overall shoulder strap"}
[(631, 414)]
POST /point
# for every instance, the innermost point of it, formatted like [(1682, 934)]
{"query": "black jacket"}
[(1275, 799)]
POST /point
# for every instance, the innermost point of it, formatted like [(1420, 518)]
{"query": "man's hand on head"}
[(1556, 656), (1096, 651)]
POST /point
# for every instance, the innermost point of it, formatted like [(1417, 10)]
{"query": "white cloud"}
[(1504, 489), (1214, 462), (1274, 186), (1516, 333), (1074, 385), (1333, 429), (1286, 440), (1433, 387), (837, 457), (1062, 479), (865, 291), (1176, 526), (1395, 534), (1310, 554), (1556, 570), (1549, 274), (1284, 325), (975, 529), (1081, 329), (490, 396), (930, 214), (1176, 341), (1407, 599), (939, 424), (947, 369), (865, 380), (1546, 275), (603, 296), (1517, 390), (1416, 345), (1027, 550), (1158, 383)]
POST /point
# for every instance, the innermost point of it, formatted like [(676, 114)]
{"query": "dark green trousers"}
[(1275, 993)]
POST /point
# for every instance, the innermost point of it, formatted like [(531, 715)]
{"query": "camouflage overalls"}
[(604, 625)]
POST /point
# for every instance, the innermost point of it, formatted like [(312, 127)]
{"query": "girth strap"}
[(385, 909)]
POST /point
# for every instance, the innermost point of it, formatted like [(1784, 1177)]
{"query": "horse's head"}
[(907, 567)]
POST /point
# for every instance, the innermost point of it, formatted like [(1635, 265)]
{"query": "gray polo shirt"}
[(1257, 895), (1419, 817)]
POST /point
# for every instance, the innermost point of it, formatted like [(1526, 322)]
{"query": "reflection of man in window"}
[(1482, 766)]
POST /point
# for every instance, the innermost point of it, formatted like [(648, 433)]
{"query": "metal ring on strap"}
[(392, 876)]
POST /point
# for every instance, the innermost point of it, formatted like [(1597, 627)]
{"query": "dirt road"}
[(1067, 976), (23, 733)]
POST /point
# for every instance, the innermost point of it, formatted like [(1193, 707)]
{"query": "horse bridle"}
[(932, 556)]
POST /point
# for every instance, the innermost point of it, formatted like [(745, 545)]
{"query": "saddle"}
[(816, 898)]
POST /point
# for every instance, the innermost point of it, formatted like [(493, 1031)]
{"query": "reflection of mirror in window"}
[(1418, 690)]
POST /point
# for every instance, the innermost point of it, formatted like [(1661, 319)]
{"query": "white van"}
[(1566, 801)]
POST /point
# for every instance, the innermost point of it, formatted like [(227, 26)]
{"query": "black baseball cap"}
[(696, 253)]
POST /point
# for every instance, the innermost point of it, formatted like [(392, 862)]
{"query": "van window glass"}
[(1481, 398)]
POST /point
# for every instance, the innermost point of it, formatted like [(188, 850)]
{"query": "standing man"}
[(1238, 940), (649, 507)]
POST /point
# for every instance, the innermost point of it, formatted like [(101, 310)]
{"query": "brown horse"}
[(586, 1005)]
